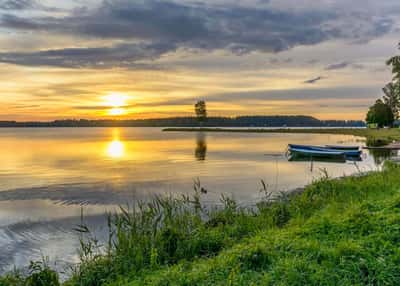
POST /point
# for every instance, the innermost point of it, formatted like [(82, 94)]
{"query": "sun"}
[(116, 100)]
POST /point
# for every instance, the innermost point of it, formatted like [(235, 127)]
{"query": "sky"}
[(100, 59)]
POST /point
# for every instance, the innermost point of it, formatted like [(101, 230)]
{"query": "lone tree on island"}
[(380, 114), (201, 111)]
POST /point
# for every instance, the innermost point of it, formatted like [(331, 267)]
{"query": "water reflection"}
[(116, 148), (310, 159), (378, 152), (201, 147), (43, 185), (372, 142), (381, 155)]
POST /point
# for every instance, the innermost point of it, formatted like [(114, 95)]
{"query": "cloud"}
[(313, 61), (18, 23), (238, 29), (283, 61), (122, 55), (313, 80), (358, 66), (269, 96), (17, 4), (337, 66), (342, 65), (22, 5), (101, 107), (179, 25), (298, 94)]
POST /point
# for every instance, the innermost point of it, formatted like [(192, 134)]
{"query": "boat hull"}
[(338, 147), (346, 152), (309, 153)]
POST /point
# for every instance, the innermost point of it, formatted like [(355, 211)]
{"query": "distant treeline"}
[(242, 121)]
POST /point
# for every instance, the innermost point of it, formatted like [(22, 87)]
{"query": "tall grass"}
[(40, 274), (338, 232), (180, 241), (163, 232)]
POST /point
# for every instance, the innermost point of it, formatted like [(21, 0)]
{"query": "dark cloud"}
[(238, 29), (342, 65), (313, 80), (123, 55), (22, 5), (173, 25), (19, 23), (17, 4), (337, 66)]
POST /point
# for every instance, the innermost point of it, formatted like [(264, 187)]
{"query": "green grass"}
[(337, 232), (373, 135)]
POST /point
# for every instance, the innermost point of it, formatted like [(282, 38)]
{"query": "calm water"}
[(48, 175)]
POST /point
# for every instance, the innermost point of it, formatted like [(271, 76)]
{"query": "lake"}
[(48, 176)]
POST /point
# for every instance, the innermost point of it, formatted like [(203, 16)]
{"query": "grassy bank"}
[(384, 135), (337, 232)]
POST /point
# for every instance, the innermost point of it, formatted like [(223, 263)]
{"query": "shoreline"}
[(306, 224), (261, 129), (313, 212), (232, 237), (375, 137)]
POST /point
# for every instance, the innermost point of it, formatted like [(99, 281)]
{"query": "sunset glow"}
[(130, 128), (116, 111), (116, 100), (116, 103), (56, 63)]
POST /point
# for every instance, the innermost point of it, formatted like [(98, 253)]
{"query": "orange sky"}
[(48, 72)]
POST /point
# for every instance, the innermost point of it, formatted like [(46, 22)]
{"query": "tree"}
[(201, 111), (380, 114), (391, 99), (392, 90), (394, 62)]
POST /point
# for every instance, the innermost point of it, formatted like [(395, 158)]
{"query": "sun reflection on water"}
[(116, 148)]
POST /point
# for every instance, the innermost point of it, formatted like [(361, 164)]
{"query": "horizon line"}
[(174, 117)]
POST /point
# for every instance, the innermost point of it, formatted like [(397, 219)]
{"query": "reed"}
[(337, 232)]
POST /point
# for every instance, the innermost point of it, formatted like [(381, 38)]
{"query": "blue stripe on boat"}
[(316, 152)]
